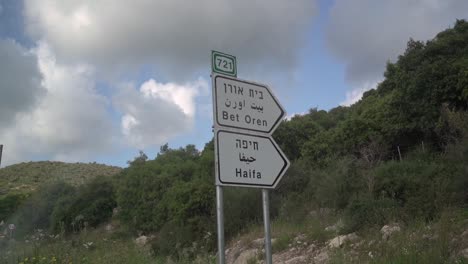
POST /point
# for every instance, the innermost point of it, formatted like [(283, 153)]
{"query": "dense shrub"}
[(9, 204), (36, 211), (369, 212), (421, 187), (90, 205), (142, 186)]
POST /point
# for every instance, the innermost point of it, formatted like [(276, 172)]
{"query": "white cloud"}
[(174, 35), (20, 86), (291, 116), (156, 111), (365, 34), (356, 93), (69, 123)]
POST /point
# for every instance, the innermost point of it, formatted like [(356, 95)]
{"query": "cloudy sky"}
[(99, 80)]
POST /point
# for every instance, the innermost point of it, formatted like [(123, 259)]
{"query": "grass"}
[(91, 247), (284, 231), (418, 242)]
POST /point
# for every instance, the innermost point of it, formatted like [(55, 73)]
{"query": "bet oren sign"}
[(245, 105), (245, 115)]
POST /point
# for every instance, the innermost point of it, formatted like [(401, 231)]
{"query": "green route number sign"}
[(223, 63)]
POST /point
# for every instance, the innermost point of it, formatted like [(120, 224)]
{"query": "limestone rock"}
[(109, 228), (336, 227), (141, 240), (464, 253), (245, 256), (297, 260), (388, 230), (322, 257), (340, 240)]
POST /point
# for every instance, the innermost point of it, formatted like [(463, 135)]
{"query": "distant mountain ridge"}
[(28, 175)]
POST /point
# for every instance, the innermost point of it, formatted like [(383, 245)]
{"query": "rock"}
[(464, 253), (109, 227), (388, 230), (313, 214), (297, 260), (245, 256), (336, 227), (310, 249), (258, 243), (340, 240), (322, 257), (464, 235), (299, 237), (141, 240), (115, 211)]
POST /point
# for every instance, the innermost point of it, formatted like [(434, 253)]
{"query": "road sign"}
[(245, 105), (249, 160), (223, 63), (245, 114)]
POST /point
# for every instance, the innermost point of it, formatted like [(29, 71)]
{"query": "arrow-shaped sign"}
[(249, 160), (245, 105)]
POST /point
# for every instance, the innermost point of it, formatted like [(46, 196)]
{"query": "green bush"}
[(422, 186), (9, 204), (36, 211), (368, 212), (242, 206), (141, 187), (294, 207), (335, 185), (91, 205), (175, 240)]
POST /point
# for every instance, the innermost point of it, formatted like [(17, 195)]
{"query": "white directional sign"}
[(245, 105), (249, 160)]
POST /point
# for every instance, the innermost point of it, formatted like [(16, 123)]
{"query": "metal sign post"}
[(1, 151), (266, 222), (220, 223)]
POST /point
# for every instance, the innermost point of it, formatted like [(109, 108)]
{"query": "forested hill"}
[(33, 174), (412, 107)]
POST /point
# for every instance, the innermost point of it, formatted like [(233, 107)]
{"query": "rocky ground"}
[(350, 248)]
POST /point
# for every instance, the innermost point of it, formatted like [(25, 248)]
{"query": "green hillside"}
[(28, 175)]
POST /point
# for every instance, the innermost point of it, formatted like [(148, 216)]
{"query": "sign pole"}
[(1, 151), (220, 220), (266, 221)]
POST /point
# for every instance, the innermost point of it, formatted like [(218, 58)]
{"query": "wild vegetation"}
[(398, 155)]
